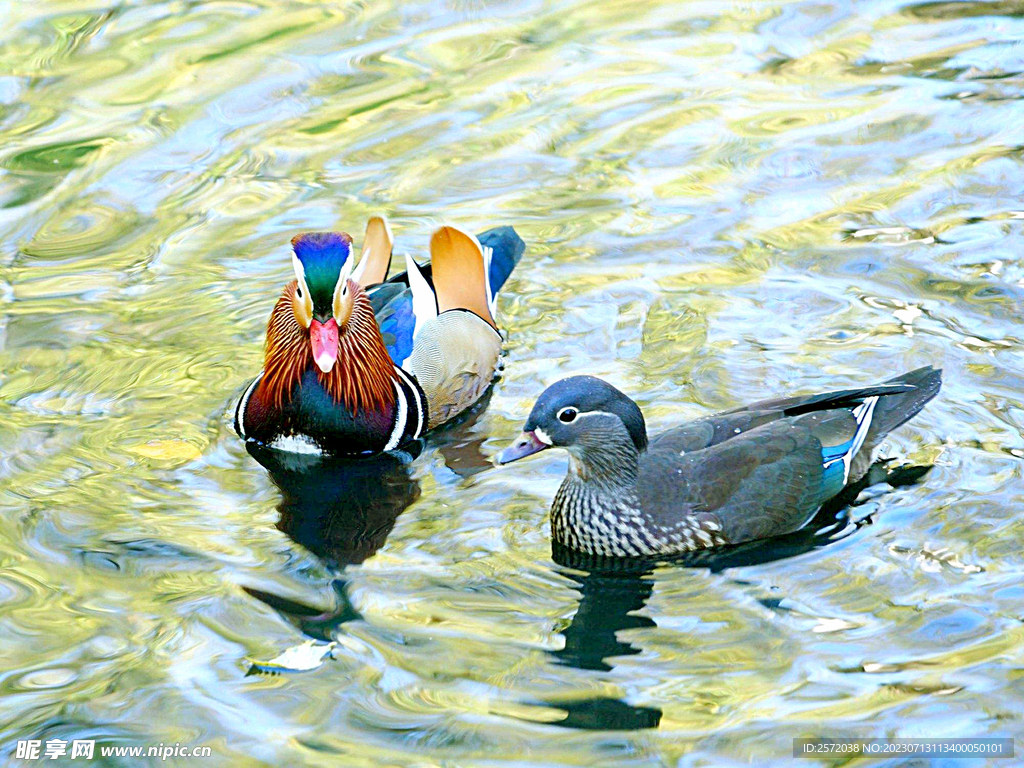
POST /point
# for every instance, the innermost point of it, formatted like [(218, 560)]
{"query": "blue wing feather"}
[(508, 248), (836, 459), (834, 477), (397, 324)]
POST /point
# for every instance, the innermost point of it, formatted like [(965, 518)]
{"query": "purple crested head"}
[(322, 254)]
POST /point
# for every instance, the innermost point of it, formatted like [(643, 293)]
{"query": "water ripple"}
[(719, 201)]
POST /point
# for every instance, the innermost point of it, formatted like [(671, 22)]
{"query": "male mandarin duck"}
[(358, 364), (750, 473)]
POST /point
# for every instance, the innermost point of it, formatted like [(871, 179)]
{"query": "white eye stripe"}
[(300, 276), (341, 287), (581, 414)]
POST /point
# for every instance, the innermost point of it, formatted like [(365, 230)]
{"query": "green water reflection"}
[(719, 200)]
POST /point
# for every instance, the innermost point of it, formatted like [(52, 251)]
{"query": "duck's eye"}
[(568, 415), (298, 292)]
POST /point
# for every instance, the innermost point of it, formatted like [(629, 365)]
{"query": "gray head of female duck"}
[(602, 429)]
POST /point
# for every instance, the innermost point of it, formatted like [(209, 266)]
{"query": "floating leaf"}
[(299, 658)]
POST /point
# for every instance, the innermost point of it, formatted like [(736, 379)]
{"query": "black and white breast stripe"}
[(411, 410), (240, 408)]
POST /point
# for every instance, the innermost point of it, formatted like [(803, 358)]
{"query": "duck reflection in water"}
[(342, 510), (613, 591)]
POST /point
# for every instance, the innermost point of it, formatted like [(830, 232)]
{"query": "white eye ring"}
[(567, 415)]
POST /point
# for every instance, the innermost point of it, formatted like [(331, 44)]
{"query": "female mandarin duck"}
[(358, 364), (746, 474)]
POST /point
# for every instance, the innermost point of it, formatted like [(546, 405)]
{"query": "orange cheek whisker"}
[(362, 377)]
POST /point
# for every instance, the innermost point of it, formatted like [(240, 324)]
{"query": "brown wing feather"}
[(458, 268)]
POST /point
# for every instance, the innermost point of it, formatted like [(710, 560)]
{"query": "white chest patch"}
[(296, 444)]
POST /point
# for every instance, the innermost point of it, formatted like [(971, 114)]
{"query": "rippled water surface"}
[(720, 201)]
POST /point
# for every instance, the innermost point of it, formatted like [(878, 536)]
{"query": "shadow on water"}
[(342, 510), (612, 591), (609, 601)]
